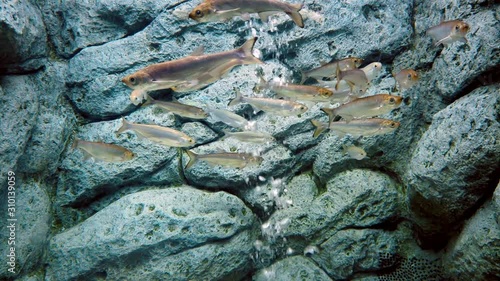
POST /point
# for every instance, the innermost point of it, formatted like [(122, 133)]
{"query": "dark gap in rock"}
[(391, 224), (488, 77)]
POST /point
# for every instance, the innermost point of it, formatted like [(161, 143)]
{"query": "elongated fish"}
[(355, 152), (371, 71), (297, 92), (357, 127), (230, 118), (190, 73), (250, 136), (330, 69), (228, 159), (221, 10), (448, 32), (280, 107), (406, 78), (355, 78), (103, 151), (178, 108), (365, 107), (158, 134)]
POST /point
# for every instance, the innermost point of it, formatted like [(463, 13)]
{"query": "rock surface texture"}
[(421, 206)]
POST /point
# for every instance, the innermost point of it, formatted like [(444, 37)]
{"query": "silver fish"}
[(330, 69), (371, 71), (365, 107), (280, 107), (228, 159), (357, 127), (250, 136), (355, 78), (297, 92), (230, 118), (103, 151), (355, 152), (162, 135), (177, 108), (448, 32), (221, 10), (406, 78), (190, 73)]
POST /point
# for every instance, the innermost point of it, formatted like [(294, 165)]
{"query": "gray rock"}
[(23, 39), (32, 212), (18, 112), (54, 123), (475, 253), (292, 269), (75, 25), (141, 229), (453, 165)]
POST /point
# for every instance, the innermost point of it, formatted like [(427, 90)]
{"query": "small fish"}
[(365, 107), (221, 10), (158, 134), (250, 136), (330, 69), (230, 118), (357, 127), (355, 78), (448, 32), (103, 151), (177, 108), (228, 159), (297, 92), (280, 107), (189, 73), (371, 71), (355, 152), (406, 78)]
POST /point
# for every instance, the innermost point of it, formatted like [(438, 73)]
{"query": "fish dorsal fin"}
[(198, 51)]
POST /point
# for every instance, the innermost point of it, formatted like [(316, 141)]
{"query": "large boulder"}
[(176, 233)]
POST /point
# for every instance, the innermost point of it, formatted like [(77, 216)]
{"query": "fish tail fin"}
[(125, 126), (237, 99), (320, 127), (246, 51), (149, 100), (338, 72), (303, 77), (227, 134), (295, 15), (75, 143), (193, 158), (331, 112)]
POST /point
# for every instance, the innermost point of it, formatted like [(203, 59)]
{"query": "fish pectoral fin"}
[(219, 71), (86, 156), (348, 118), (443, 41), (264, 16), (226, 12)]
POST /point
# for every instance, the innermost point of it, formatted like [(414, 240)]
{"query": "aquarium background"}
[(423, 206)]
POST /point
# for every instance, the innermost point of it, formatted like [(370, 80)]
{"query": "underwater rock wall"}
[(423, 206)]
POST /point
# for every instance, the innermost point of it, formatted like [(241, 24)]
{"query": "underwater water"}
[(250, 140)]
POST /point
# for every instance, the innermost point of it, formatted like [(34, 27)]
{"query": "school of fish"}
[(342, 82)]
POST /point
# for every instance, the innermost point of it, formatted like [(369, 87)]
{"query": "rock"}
[(292, 269), (149, 229), (82, 182), (18, 113), (454, 163), (32, 212), (74, 26), (54, 123), (475, 253), (23, 46)]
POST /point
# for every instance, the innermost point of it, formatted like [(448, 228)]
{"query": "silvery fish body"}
[(221, 10), (357, 127), (298, 92), (406, 78), (162, 135), (103, 151), (250, 136), (330, 69), (177, 108), (230, 118), (275, 106), (355, 152), (228, 159), (448, 32), (190, 73)]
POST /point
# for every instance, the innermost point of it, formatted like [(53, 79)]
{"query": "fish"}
[(250, 136), (406, 78), (448, 32), (162, 135), (228, 159), (355, 152), (297, 92), (280, 107), (189, 73), (230, 118), (371, 71), (101, 151), (365, 107), (221, 10), (178, 108), (329, 70), (355, 78), (357, 127)]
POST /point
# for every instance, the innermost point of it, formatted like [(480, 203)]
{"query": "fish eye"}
[(198, 13), (409, 76), (457, 27), (133, 80), (393, 125), (392, 100)]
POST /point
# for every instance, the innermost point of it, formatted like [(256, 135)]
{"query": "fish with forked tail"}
[(158, 134), (190, 73), (177, 108), (330, 69), (103, 151), (357, 127), (280, 107), (221, 10), (448, 32), (228, 159)]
